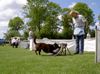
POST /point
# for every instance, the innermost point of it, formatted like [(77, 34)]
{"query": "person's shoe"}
[(76, 53)]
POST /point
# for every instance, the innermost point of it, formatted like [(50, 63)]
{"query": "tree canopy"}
[(16, 23), (43, 19)]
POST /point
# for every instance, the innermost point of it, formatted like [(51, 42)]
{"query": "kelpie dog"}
[(48, 48)]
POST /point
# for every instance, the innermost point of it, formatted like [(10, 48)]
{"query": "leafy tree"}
[(16, 23), (51, 23), (67, 28), (25, 35), (41, 14), (36, 11), (44, 20), (11, 33)]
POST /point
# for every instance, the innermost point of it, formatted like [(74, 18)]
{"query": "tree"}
[(42, 13), (16, 23), (36, 11), (51, 23), (11, 33), (67, 28), (25, 35)]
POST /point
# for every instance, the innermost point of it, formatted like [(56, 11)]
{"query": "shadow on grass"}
[(56, 55), (72, 54)]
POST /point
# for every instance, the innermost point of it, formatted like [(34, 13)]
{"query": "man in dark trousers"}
[(14, 42), (79, 25)]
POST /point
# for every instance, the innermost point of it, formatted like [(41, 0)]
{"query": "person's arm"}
[(84, 21), (83, 18)]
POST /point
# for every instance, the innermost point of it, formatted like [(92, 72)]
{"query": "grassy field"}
[(23, 61)]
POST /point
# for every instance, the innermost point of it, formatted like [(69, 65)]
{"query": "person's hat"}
[(73, 11), (29, 28)]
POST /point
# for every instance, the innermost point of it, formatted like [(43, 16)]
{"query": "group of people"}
[(15, 42)]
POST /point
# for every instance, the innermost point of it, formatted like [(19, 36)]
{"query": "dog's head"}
[(63, 45), (56, 45)]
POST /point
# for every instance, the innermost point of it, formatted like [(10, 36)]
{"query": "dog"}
[(47, 48)]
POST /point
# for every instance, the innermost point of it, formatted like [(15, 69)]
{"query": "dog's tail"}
[(34, 40)]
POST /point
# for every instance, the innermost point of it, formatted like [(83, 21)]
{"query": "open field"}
[(23, 61)]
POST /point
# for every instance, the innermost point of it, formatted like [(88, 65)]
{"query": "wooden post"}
[(97, 52)]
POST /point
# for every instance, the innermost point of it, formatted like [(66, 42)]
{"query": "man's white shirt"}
[(79, 24)]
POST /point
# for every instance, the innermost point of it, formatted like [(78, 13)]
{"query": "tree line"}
[(48, 19)]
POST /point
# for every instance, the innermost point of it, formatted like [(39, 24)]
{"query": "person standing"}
[(30, 38), (14, 42), (79, 25)]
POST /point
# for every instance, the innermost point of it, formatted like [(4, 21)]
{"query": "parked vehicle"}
[(2, 41)]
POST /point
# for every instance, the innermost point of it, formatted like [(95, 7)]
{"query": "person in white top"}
[(14, 42), (30, 38), (79, 25)]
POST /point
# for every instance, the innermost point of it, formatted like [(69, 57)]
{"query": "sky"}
[(12, 8)]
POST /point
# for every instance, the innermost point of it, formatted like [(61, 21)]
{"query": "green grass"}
[(23, 61)]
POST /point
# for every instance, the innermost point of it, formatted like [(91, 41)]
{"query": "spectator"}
[(14, 42), (79, 25), (30, 38)]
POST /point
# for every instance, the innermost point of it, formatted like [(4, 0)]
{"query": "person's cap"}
[(29, 28), (73, 11)]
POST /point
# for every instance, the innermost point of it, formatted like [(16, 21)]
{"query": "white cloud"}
[(21, 2), (72, 5), (7, 13), (8, 10), (4, 3), (3, 23)]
